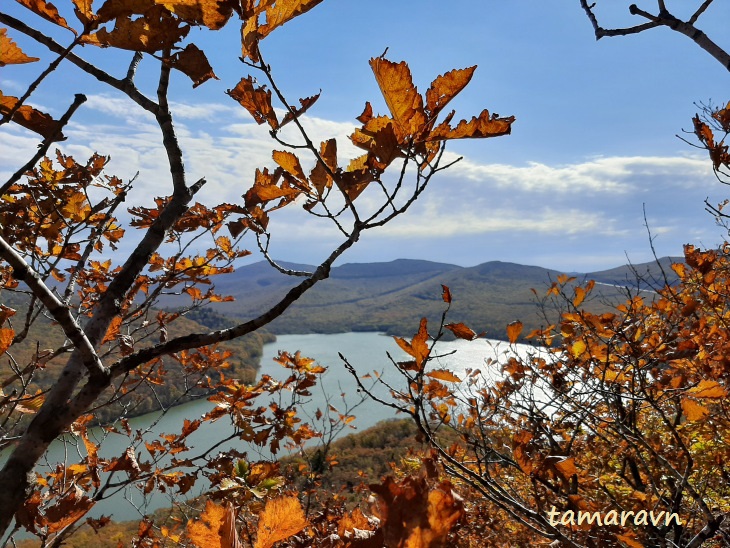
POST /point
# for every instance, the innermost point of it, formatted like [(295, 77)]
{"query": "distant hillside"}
[(393, 296)]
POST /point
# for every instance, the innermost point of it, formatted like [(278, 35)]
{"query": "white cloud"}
[(618, 174)]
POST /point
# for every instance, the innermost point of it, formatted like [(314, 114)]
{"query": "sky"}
[(593, 152)]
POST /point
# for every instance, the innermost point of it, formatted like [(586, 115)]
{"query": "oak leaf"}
[(401, 96), (281, 518), (214, 14), (445, 87), (443, 375), (10, 53), (46, 10), (256, 100), (484, 125), (462, 331), (31, 119), (192, 62)]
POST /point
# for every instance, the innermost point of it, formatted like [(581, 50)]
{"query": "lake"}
[(365, 351)]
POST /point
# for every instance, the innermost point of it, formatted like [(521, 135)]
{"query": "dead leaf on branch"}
[(30, 118), (10, 53), (192, 62)]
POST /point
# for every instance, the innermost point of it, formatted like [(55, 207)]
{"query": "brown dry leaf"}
[(566, 467), (401, 96), (443, 375), (305, 104), (30, 118), (158, 30), (193, 62), (83, 11), (478, 127), (462, 331), (256, 100), (205, 531), (419, 344), (5, 313), (6, 339), (281, 11), (379, 136), (513, 331), (281, 518), (446, 295), (46, 10), (445, 87), (10, 53), (113, 330), (214, 14), (693, 410), (68, 510)]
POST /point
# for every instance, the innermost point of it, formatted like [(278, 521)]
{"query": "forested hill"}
[(393, 296)]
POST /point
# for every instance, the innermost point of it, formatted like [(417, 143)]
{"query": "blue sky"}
[(594, 141)]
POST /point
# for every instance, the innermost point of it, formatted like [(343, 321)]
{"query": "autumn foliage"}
[(111, 343)]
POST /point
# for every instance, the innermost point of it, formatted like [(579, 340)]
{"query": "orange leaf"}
[(445, 87), (708, 389), (158, 30), (192, 62), (419, 345), (10, 53), (6, 339), (513, 331), (461, 331), (566, 467), (446, 295), (290, 163), (256, 100), (46, 10), (30, 118), (478, 127), (281, 518), (580, 295), (693, 410), (214, 14), (443, 375), (401, 96), (204, 532)]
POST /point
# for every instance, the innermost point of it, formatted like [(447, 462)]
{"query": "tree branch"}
[(60, 312)]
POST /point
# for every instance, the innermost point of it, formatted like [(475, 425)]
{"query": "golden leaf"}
[(281, 518), (578, 348), (289, 163), (401, 96), (204, 532), (10, 53), (443, 375), (708, 389)]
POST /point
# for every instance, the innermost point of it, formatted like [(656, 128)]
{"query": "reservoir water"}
[(367, 352)]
